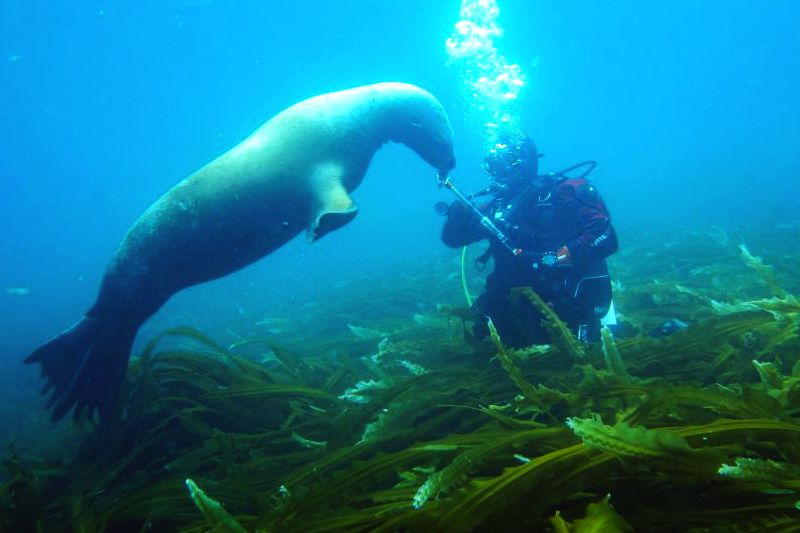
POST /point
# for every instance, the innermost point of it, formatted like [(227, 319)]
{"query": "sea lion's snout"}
[(418, 120), (434, 147), (448, 165)]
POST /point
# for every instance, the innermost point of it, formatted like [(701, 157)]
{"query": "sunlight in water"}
[(490, 84)]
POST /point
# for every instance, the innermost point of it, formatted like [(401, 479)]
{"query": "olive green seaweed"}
[(697, 431), (626, 441), (600, 517), (219, 520), (559, 331), (765, 271), (761, 470), (513, 371), (612, 357)]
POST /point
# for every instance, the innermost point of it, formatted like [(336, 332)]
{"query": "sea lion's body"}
[(292, 174)]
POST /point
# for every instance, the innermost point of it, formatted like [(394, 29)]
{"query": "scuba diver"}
[(550, 232)]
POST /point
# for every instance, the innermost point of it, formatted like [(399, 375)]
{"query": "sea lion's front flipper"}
[(332, 205)]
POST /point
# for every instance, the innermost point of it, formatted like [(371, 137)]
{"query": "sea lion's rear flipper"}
[(332, 205), (85, 366)]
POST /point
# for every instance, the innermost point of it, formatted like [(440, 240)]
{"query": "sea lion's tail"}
[(85, 366)]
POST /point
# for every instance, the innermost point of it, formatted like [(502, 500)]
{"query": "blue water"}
[(689, 107)]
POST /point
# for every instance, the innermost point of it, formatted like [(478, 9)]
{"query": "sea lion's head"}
[(420, 122)]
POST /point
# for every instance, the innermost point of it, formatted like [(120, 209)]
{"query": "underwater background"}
[(690, 110)]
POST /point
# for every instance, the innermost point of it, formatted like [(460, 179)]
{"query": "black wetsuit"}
[(547, 215)]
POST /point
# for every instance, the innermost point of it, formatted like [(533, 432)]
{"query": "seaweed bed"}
[(398, 424)]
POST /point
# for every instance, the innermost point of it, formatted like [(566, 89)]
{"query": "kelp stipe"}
[(612, 356), (512, 370), (560, 333)]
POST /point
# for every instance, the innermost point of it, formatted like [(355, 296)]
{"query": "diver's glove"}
[(459, 214)]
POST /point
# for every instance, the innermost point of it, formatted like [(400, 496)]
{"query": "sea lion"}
[(293, 173)]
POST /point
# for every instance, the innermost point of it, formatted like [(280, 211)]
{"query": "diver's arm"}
[(597, 238)]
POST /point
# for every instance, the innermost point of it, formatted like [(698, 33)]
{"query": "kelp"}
[(697, 431), (445, 479), (511, 369), (547, 475), (612, 356), (560, 334), (218, 519), (600, 517), (455, 473), (765, 271), (753, 469), (624, 440), (20, 497)]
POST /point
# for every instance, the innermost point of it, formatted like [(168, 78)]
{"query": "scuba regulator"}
[(548, 258), (441, 208)]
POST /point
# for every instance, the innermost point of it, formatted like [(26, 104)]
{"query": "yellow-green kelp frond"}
[(539, 483), (785, 389), (601, 517), (512, 369), (455, 473), (743, 401), (445, 479), (559, 331), (393, 419), (778, 306), (770, 375), (765, 271), (752, 469), (624, 440), (612, 357), (185, 333), (308, 443), (219, 520)]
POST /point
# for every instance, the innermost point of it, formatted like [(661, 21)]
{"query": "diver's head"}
[(511, 163)]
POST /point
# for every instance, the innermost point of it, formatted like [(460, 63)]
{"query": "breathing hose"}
[(464, 277)]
